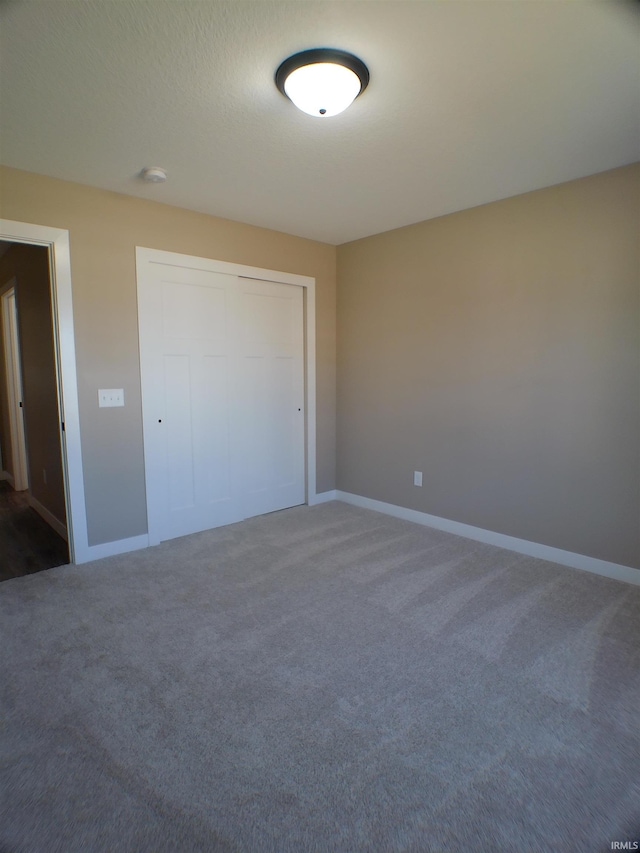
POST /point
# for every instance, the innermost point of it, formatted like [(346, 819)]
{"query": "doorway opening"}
[(33, 512)]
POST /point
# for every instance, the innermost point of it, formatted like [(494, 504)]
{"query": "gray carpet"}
[(324, 679)]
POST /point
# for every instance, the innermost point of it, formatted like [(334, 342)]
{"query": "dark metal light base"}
[(323, 54)]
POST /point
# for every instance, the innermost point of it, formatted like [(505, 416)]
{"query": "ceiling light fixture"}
[(322, 82)]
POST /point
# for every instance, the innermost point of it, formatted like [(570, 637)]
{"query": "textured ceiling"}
[(470, 101)]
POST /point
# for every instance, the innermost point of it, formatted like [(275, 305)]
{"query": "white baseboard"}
[(5, 475), (112, 549), (323, 498), (522, 546), (48, 516)]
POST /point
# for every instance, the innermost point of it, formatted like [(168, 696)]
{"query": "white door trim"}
[(145, 257), (57, 241), (13, 380)]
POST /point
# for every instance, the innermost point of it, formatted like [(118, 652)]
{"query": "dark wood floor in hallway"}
[(27, 543)]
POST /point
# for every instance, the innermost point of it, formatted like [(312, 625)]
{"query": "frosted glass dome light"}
[(322, 82), (322, 89)]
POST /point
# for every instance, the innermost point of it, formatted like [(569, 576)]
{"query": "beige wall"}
[(497, 351), (29, 267), (104, 230)]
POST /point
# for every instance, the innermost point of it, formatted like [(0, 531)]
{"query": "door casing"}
[(13, 381), (57, 241)]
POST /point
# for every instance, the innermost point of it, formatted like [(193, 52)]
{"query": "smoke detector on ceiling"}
[(154, 175)]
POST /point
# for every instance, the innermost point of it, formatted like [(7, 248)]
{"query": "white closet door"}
[(272, 396), (189, 361), (222, 363)]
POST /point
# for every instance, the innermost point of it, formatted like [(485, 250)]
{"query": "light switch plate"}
[(108, 397)]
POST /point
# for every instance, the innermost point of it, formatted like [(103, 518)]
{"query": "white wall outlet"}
[(417, 478), (108, 397)]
